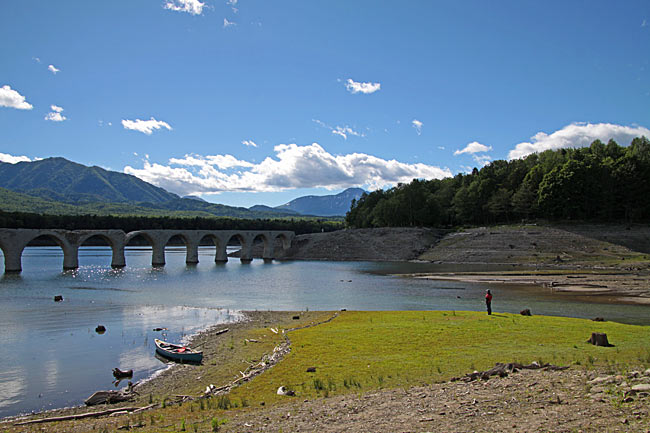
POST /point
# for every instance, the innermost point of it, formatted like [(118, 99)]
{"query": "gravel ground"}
[(528, 401)]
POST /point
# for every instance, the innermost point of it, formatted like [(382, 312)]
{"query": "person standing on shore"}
[(488, 301)]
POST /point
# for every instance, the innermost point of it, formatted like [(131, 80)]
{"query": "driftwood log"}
[(599, 339), (109, 397), (502, 370), (84, 415)]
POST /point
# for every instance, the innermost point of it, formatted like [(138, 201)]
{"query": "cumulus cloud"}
[(578, 135), (12, 159), (249, 143), (417, 125), (55, 115), (292, 166), (482, 159), (194, 7), (12, 99), (473, 147), (227, 23), (53, 69), (145, 126), (357, 87), (342, 131)]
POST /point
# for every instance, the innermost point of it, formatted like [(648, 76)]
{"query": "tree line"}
[(24, 220), (602, 182)]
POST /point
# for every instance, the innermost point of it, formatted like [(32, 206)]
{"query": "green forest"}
[(22, 220), (602, 182)]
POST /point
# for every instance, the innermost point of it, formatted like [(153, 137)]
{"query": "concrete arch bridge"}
[(14, 241)]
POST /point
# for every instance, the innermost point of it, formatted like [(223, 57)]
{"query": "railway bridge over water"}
[(14, 241)]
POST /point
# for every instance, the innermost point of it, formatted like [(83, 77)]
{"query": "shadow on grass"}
[(498, 315)]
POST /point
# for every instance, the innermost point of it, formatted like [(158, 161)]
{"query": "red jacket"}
[(488, 297)]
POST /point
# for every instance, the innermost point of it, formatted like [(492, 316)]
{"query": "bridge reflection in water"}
[(14, 241)]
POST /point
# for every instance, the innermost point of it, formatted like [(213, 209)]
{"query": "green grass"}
[(361, 351)]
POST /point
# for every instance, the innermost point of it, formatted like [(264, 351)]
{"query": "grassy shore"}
[(361, 352)]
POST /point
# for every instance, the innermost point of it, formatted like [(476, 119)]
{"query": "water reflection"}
[(12, 386)]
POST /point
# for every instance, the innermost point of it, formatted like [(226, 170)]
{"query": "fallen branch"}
[(221, 331), (83, 415), (502, 370)]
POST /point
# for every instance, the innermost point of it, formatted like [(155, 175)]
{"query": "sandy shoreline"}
[(616, 287)]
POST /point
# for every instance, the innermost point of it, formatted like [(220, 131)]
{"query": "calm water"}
[(53, 357)]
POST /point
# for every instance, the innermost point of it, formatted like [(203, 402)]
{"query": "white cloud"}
[(366, 88), (233, 5), (578, 135), (249, 143), (482, 159), (417, 125), (227, 23), (145, 126), (11, 159), (12, 99), (292, 167), (55, 115), (342, 131), (194, 7), (53, 69), (644, 23), (36, 59), (474, 147)]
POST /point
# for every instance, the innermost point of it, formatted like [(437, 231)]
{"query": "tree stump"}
[(599, 339)]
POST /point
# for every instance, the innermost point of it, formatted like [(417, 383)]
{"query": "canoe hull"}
[(167, 350)]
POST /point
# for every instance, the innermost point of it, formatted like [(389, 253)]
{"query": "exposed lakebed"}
[(56, 359)]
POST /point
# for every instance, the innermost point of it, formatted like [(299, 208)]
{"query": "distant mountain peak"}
[(324, 205)]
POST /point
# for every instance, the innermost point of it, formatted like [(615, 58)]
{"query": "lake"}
[(54, 358)]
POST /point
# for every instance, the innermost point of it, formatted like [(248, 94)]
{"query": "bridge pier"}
[(157, 253), (13, 260), (192, 254), (222, 254), (70, 256), (118, 260)]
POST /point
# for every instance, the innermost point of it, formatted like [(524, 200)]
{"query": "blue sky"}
[(259, 101)]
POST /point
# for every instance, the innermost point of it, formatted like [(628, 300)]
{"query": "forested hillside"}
[(603, 182), (22, 220)]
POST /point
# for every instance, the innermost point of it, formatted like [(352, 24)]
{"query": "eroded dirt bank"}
[(609, 261), (527, 401)]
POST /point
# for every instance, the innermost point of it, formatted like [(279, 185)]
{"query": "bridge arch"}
[(114, 239), (267, 242), (70, 249), (218, 243), (244, 241)]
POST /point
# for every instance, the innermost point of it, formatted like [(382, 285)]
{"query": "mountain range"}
[(58, 186)]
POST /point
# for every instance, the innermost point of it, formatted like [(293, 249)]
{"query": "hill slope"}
[(60, 187)]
